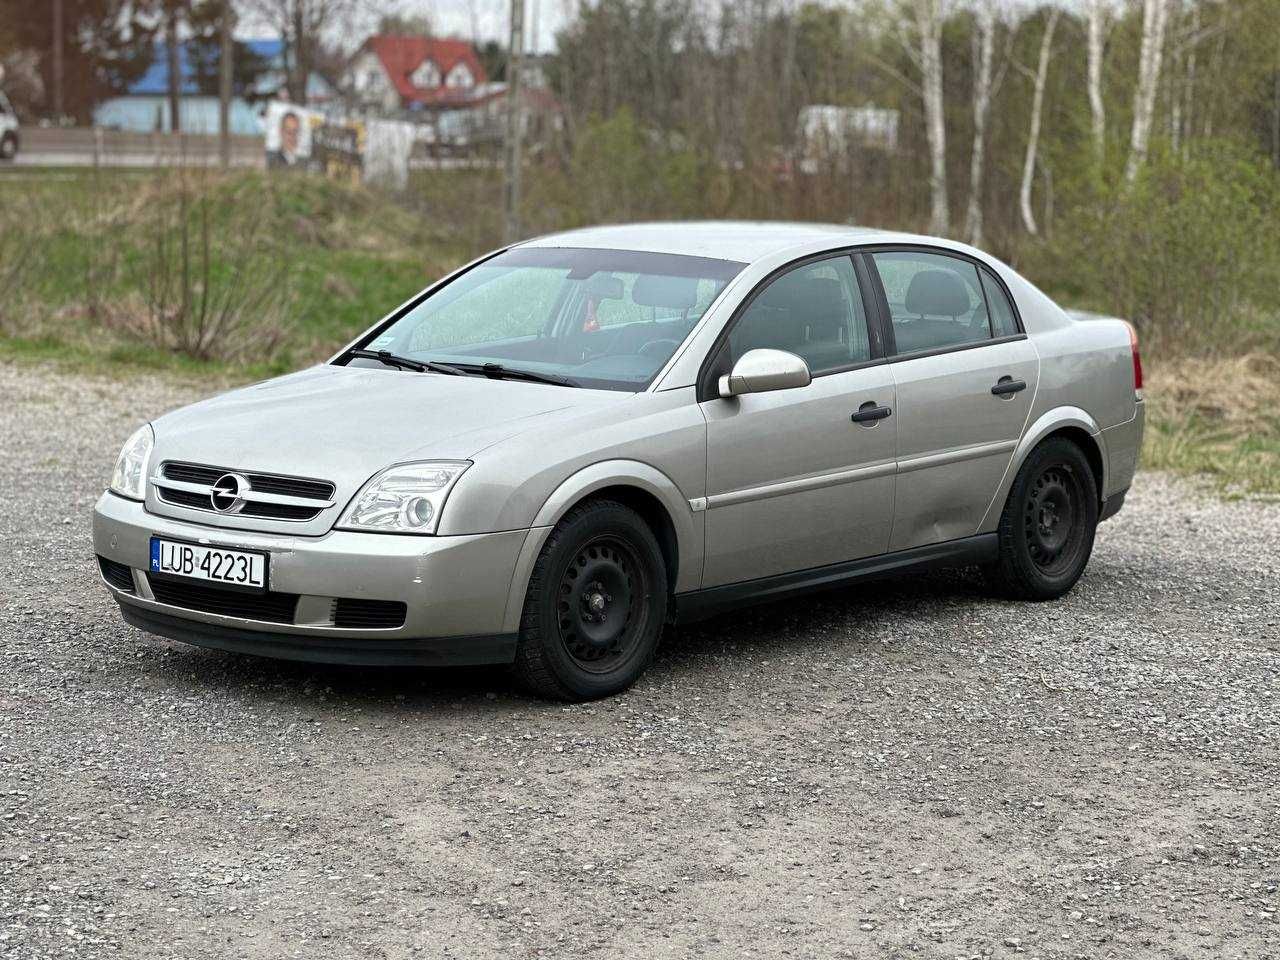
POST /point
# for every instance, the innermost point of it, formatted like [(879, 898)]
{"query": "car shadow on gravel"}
[(806, 623)]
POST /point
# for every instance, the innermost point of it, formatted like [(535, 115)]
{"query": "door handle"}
[(1007, 385), (870, 412)]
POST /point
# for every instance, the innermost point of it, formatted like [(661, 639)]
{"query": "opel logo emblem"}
[(228, 492)]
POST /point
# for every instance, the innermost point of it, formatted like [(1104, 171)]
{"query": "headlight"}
[(129, 479), (406, 498)]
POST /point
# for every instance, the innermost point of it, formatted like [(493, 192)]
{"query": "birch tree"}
[(1155, 15), (1037, 109), (984, 42), (917, 28), (1096, 16)]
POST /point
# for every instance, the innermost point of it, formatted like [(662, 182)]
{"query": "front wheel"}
[(1047, 527), (8, 147), (595, 607)]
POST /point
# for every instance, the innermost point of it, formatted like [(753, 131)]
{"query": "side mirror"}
[(759, 371)]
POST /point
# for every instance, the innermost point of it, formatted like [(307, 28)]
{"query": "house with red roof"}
[(394, 73)]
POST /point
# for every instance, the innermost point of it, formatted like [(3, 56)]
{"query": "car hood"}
[(344, 424)]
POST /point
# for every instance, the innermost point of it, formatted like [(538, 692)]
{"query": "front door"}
[(965, 377), (793, 482)]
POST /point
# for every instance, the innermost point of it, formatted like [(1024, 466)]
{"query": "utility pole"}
[(226, 52), (515, 131), (57, 61)]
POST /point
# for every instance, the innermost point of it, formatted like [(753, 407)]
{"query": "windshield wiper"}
[(497, 371), (407, 363)]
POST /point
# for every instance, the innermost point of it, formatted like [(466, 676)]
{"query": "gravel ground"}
[(900, 770)]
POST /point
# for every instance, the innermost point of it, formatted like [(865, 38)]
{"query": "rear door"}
[(965, 375), (793, 482)]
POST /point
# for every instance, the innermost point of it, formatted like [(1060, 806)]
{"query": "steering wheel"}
[(657, 348)]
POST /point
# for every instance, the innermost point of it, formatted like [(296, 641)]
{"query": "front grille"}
[(368, 614), (320, 490), (116, 574), (270, 606)]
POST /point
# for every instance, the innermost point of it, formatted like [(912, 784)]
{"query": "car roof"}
[(741, 240)]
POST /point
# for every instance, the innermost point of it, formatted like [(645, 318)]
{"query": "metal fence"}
[(90, 146)]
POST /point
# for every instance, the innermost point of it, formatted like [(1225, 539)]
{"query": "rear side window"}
[(814, 311), (935, 301), (1003, 321)]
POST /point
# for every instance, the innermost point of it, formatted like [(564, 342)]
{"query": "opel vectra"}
[(553, 452)]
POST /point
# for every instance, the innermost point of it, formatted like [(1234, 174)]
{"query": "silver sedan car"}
[(562, 447)]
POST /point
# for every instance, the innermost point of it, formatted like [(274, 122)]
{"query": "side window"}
[(1003, 321), (935, 301), (815, 312)]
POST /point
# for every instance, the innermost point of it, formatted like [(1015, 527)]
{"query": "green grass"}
[(333, 257), (349, 255)]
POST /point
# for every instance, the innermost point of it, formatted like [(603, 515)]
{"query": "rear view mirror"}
[(760, 371)]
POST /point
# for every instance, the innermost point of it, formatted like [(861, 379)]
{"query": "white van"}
[(8, 130)]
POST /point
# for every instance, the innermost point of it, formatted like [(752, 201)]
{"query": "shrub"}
[(1190, 252), (210, 279)]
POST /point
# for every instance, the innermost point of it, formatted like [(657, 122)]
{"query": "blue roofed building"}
[(144, 106)]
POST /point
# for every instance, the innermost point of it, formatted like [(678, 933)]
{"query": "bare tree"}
[(1155, 15), (301, 25), (984, 42), (919, 31), (1096, 16), (1037, 109)]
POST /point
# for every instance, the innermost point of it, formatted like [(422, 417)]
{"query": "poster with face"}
[(288, 135)]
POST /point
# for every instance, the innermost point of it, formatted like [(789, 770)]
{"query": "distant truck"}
[(8, 129)]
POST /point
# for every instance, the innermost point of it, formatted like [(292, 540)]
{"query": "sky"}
[(477, 20)]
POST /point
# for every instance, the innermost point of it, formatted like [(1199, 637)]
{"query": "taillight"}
[(1137, 360)]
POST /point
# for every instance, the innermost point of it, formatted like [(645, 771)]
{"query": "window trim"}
[(708, 371), (882, 300)]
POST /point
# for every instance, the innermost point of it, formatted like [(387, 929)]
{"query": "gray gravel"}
[(906, 769)]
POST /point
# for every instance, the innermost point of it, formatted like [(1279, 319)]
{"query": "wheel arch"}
[(643, 488), (1074, 423)]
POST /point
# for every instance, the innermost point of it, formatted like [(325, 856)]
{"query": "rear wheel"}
[(595, 607), (8, 147), (1048, 523)]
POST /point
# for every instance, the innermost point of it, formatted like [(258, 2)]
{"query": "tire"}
[(1047, 526), (8, 147), (595, 607)]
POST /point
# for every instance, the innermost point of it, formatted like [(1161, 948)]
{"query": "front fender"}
[(1059, 418), (592, 479)]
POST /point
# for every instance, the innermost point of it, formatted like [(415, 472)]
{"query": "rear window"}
[(935, 301)]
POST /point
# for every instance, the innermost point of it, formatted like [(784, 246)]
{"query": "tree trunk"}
[(929, 24), (511, 142), (984, 49), (225, 53), (297, 81), (175, 67), (1155, 14), (1037, 108), (1095, 12)]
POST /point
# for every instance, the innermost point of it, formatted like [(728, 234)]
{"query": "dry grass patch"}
[(1219, 417)]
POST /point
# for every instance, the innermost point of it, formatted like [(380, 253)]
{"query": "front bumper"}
[(456, 590)]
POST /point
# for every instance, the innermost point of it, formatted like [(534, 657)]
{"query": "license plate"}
[(194, 561)]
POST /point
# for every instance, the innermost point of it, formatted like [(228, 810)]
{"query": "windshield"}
[(607, 319)]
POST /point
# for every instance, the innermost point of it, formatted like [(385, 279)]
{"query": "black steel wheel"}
[(1046, 530), (595, 607)]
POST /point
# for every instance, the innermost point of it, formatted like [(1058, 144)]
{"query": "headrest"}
[(674, 293), (937, 293), (815, 297)]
